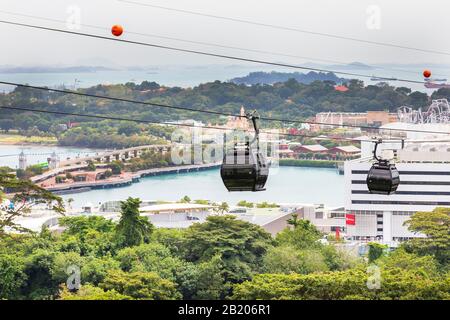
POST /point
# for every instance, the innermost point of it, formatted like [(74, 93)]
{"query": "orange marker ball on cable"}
[(427, 73), (117, 30)]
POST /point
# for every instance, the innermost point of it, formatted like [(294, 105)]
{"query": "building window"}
[(415, 173), (421, 183), (418, 193)]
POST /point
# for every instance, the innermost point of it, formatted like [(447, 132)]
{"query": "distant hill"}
[(274, 77)]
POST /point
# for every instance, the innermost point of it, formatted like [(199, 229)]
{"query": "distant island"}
[(274, 77)]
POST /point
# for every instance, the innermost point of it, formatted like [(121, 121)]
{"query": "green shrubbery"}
[(221, 258)]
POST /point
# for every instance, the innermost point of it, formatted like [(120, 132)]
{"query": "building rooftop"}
[(314, 147), (348, 149), (174, 207)]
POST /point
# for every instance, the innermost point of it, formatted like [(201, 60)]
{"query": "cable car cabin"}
[(383, 178), (244, 169)]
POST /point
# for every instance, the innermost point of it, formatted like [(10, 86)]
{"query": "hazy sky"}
[(423, 24)]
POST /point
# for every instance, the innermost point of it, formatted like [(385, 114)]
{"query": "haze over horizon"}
[(418, 29)]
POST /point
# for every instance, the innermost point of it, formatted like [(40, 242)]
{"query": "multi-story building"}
[(370, 118), (424, 169)]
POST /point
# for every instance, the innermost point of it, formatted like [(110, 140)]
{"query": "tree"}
[(132, 229), (116, 167), (12, 276), (6, 124), (303, 235), (294, 220), (396, 284), (239, 244), (89, 292), (128, 129), (210, 283), (91, 166), (376, 250), (435, 225), (287, 259), (244, 203), (39, 268), (25, 195), (82, 225), (150, 257), (185, 199), (400, 258), (140, 285), (222, 208)]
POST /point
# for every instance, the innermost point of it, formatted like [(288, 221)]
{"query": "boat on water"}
[(435, 80), (374, 78), (433, 85)]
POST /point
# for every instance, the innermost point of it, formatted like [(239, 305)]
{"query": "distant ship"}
[(438, 80), (432, 85), (374, 78)]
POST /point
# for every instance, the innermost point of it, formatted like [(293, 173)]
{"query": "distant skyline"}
[(409, 23)]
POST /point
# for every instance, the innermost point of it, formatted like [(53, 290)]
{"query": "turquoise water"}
[(285, 185)]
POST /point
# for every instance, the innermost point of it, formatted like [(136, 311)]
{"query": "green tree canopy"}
[(239, 244), (132, 229), (435, 226)]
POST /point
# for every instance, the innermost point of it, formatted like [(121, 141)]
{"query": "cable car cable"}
[(199, 52), (322, 34), (63, 113), (211, 111), (218, 45)]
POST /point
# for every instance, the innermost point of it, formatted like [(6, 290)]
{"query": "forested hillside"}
[(284, 99)]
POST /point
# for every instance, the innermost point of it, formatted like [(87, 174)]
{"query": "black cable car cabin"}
[(383, 177), (243, 168)]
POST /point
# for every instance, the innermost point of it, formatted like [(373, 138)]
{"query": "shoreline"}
[(131, 178), (19, 140), (28, 144), (308, 163), (136, 177)]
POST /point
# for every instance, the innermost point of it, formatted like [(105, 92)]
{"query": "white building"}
[(424, 169)]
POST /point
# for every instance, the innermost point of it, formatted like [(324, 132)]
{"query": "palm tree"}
[(132, 229), (185, 199), (222, 208), (294, 221)]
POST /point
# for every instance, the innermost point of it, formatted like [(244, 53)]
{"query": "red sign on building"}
[(350, 219)]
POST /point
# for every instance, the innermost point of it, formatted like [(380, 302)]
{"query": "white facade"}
[(424, 185), (423, 162)]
